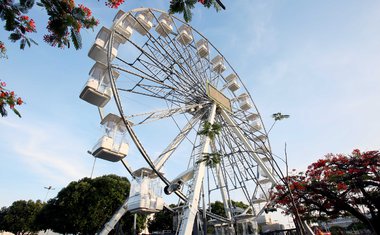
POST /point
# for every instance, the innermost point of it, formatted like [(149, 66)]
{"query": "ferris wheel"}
[(188, 113)]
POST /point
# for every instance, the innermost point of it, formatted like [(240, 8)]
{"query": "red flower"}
[(114, 3), (19, 101), (85, 9), (341, 186), (28, 24)]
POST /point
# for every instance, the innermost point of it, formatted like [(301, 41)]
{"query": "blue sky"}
[(319, 62)]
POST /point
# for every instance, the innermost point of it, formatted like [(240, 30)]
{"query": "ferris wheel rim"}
[(147, 158)]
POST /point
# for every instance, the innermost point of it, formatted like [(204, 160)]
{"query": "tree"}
[(86, 205), (217, 207), (335, 186), (20, 217), (162, 220)]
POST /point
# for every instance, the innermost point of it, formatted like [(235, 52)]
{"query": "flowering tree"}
[(335, 186), (8, 98), (66, 19), (65, 22)]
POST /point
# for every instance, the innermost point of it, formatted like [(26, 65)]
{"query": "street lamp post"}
[(48, 190)]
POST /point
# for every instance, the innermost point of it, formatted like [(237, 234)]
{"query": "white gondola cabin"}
[(252, 117), (263, 180), (165, 25), (218, 64), (98, 51), (244, 102), (232, 82), (97, 90), (262, 172), (255, 126), (112, 146), (124, 28), (202, 48), (262, 150), (184, 35), (146, 192), (143, 22), (260, 138)]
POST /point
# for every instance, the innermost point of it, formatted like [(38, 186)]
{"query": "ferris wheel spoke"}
[(187, 62), (239, 172), (144, 76), (156, 63), (161, 90), (153, 39), (166, 43), (243, 162), (164, 55), (177, 66), (166, 154), (222, 186), (162, 114), (246, 143)]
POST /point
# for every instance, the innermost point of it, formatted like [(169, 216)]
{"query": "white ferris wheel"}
[(171, 85)]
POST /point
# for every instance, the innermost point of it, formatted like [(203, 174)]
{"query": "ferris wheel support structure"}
[(179, 78), (191, 210)]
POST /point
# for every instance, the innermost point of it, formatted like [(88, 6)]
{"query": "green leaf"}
[(76, 38), (33, 41), (27, 41), (187, 14), (16, 112), (22, 44), (220, 4), (14, 37), (3, 111), (176, 6)]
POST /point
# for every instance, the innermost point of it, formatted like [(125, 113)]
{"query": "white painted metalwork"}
[(174, 84), (112, 146), (97, 90), (202, 48), (98, 51), (233, 84), (218, 64), (165, 25), (143, 22), (185, 35), (145, 193), (122, 26), (193, 201)]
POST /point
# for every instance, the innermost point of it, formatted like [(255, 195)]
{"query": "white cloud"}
[(49, 151)]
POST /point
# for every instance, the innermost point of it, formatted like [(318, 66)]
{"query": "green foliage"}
[(186, 6), (20, 217), (217, 207), (210, 130), (85, 206), (211, 159), (66, 21), (162, 220), (16, 22)]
